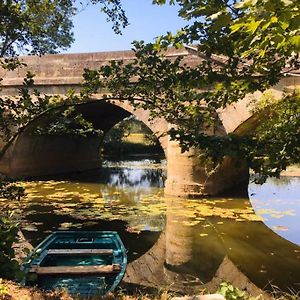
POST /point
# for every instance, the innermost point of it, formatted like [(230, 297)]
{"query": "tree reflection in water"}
[(140, 175)]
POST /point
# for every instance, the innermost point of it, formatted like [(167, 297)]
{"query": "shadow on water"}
[(178, 243)]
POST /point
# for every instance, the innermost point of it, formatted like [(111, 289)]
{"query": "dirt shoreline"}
[(291, 173)]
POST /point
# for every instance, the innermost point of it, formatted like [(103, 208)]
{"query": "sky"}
[(93, 33)]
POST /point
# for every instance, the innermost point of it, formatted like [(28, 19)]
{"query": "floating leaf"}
[(203, 234), (280, 228), (30, 228)]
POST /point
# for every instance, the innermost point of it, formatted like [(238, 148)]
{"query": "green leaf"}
[(253, 25), (221, 21), (245, 3), (274, 19), (295, 41), (284, 24)]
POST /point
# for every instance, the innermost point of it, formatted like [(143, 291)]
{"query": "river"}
[(182, 244)]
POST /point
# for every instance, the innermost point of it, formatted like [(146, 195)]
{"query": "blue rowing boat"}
[(85, 263)]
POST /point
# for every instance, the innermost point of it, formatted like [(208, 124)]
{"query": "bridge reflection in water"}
[(234, 246), (202, 243)]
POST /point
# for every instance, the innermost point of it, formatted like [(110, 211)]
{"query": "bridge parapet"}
[(67, 69)]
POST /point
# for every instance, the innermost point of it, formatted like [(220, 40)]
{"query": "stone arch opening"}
[(32, 155), (131, 139)]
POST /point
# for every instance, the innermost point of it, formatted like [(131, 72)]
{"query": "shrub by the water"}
[(9, 267)]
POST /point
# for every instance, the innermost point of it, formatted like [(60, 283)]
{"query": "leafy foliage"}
[(39, 27), (10, 191), (243, 47), (9, 268), (35, 27), (230, 292), (124, 128), (277, 138), (130, 137), (3, 289), (16, 112), (68, 123), (115, 14)]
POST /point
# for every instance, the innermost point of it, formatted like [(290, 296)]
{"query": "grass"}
[(133, 144), (10, 290), (136, 138)]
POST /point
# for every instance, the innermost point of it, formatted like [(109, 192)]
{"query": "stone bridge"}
[(33, 155)]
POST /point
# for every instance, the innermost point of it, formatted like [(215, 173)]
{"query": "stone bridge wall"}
[(56, 74)]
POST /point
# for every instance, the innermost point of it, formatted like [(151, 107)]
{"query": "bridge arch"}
[(240, 117), (32, 155)]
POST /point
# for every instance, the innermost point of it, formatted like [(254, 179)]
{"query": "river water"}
[(181, 244)]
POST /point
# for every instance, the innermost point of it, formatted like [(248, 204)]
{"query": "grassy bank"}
[(293, 170), (10, 290), (135, 144)]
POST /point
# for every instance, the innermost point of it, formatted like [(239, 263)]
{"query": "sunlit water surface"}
[(278, 202), (186, 244)]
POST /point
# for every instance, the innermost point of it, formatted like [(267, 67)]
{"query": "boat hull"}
[(85, 263)]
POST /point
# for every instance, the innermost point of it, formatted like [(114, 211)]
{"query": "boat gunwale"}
[(41, 250)]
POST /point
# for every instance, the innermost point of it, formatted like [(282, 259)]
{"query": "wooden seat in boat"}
[(80, 251), (76, 270)]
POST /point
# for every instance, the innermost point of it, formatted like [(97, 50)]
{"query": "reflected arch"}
[(241, 250)]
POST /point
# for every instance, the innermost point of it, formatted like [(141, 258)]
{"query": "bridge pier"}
[(188, 177)]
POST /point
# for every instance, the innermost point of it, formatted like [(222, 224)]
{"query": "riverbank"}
[(10, 290), (291, 171)]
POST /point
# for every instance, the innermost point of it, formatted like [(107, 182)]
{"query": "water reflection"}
[(278, 202), (186, 244), (204, 234), (140, 178)]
